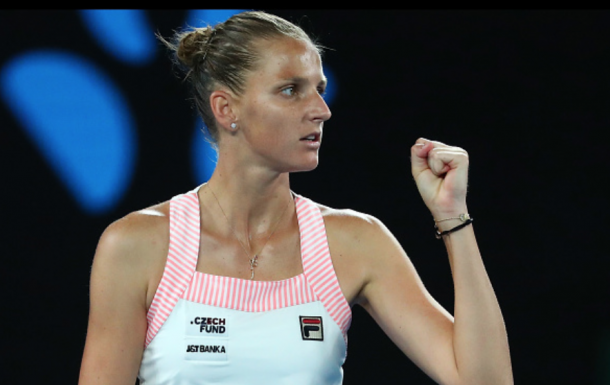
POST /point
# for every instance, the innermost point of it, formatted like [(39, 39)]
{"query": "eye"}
[(322, 90), (289, 91)]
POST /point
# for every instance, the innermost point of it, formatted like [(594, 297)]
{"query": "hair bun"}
[(192, 46)]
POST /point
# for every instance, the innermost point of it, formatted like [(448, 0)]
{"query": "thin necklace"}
[(254, 260)]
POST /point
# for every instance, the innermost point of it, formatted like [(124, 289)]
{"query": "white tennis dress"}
[(208, 329)]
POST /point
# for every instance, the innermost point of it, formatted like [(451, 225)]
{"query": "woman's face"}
[(281, 112)]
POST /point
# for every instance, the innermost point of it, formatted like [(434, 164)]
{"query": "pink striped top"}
[(180, 280)]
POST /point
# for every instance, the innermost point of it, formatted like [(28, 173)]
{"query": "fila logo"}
[(311, 328)]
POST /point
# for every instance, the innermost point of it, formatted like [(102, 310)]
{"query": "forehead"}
[(287, 58)]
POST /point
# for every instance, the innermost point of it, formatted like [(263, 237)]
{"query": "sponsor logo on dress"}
[(210, 325), (205, 349), (311, 328)]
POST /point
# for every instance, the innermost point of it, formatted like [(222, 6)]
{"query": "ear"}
[(224, 103)]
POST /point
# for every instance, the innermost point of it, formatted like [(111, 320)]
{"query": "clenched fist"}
[(441, 174)]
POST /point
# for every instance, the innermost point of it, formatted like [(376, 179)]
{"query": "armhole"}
[(317, 264), (184, 227)]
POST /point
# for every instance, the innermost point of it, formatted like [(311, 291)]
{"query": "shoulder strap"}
[(317, 263), (184, 227)]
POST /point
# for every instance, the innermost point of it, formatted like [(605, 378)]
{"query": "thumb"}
[(419, 156)]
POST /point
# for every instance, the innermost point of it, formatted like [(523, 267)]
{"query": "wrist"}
[(464, 219), (439, 214), (450, 222)]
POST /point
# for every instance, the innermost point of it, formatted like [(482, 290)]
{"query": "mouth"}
[(313, 137)]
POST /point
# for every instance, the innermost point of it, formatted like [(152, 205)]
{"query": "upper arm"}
[(394, 295), (117, 315)]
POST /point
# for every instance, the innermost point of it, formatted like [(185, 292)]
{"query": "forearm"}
[(479, 341)]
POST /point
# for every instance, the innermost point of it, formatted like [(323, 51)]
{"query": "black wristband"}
[(439, 235)]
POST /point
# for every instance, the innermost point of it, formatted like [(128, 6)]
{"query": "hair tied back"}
[(208, 44)]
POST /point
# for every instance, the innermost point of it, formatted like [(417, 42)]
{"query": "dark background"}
[(526, 93)]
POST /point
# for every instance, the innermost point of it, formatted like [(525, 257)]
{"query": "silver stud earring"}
[(233, 125)]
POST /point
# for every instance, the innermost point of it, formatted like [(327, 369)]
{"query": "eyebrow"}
[(301, 80)]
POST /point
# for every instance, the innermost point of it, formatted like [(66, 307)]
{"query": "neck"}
[(253, 199)]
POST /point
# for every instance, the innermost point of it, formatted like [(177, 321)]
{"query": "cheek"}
[(270, 122)]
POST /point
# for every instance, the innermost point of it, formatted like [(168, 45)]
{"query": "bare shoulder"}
[(355, 240), (345, 217), (139, 230), (136, 246), (351, 225)]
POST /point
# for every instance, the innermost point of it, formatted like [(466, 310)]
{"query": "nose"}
[(320, 111)]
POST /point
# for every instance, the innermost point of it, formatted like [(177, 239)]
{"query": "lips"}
[(313, 137)]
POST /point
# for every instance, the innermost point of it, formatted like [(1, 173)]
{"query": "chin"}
[(309, 168), (295, 162), (305, 166)]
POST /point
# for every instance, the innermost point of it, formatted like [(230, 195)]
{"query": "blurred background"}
[(95, 124)]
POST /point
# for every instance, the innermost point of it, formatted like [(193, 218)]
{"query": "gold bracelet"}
[(439, 234), (462, 217)]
